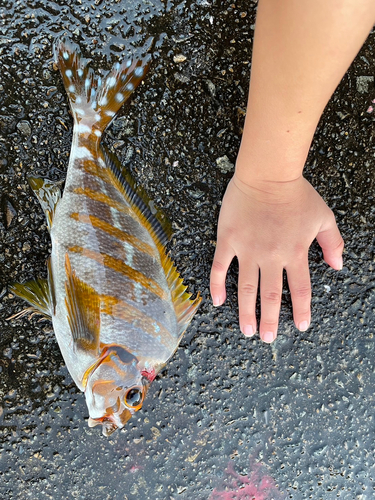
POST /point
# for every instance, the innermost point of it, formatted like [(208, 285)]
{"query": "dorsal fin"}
[(48, 194), (157, 223)]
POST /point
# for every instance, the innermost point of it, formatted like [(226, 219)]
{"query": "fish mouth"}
[(108, 427), (110, 423)]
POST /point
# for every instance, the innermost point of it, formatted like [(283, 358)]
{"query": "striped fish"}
[(117, 304)]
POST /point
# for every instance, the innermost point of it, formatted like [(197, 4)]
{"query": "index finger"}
[(223, 257)]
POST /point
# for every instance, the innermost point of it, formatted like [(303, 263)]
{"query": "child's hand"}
[(269, 227)]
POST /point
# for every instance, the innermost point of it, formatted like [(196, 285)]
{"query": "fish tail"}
[(95, 100)]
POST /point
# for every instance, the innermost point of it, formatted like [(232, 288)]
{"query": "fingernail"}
[(268, 336), (216, 301), (248, 330), (338, 263), (303, 326)]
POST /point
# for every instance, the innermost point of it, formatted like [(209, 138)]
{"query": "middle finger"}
[(271, 285)]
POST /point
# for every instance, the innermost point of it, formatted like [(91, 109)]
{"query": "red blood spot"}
[(149, 374)]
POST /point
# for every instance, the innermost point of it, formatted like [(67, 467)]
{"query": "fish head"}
[(115, 390)]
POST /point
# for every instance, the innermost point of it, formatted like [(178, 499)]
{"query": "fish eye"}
[(133, 397)]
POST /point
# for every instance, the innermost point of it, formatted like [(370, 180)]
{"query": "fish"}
[(118, 305)]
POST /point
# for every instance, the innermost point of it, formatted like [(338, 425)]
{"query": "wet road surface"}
[(295, 417)]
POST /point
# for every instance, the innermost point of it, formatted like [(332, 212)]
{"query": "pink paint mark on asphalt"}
[(135, 468), (257, 485), (370, 109)]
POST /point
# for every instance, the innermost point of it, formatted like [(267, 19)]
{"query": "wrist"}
[(273, 149), (270, 160), (271, 192)]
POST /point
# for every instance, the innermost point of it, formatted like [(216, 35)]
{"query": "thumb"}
[(331, 242)]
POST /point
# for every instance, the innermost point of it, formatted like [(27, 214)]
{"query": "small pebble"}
[(181, 78), (10, 213), (26, 247), (224, 164), (179, 58), (363, 83), (24, 127)]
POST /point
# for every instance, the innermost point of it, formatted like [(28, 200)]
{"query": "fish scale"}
[(117, 303)]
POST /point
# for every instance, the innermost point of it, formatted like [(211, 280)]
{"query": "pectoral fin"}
[(48, 194), (83, 305)]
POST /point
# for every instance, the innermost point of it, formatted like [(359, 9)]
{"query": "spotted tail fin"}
[(95, 100)]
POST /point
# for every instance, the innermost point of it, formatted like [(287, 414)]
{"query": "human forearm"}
[(270, 214), (302, 48)]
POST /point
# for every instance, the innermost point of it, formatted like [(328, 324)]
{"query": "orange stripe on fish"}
[(102, 198), (100, 385), (94, 169), (125, 416), (120, 267), (91, 369), (115, 232), (123, 310)]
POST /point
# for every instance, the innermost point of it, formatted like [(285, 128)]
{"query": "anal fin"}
[(83, 305), (37, 293)]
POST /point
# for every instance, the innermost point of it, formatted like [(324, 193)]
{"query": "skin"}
[(270, 214)]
